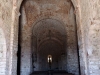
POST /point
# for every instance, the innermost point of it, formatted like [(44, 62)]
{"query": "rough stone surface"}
[(88, 29), (7, 17), (90, 15), (2, 53)]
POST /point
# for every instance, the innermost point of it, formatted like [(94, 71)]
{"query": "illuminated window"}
[(49, 58)]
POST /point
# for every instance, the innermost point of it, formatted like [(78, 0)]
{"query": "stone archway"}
[(77, 8), (29, 18), (2, 53), (49, 37)]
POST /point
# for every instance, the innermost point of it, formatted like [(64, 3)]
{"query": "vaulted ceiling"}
[(49, 34)]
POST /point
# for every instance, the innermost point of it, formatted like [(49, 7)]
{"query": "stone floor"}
[(51, 73)]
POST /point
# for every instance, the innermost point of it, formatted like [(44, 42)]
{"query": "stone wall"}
[(90, 16), (5, 25), (2, 53), (8, 26)]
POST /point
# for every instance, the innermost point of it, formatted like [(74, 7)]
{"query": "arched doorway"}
[(27, 21)]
